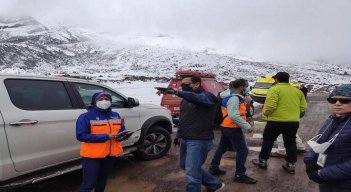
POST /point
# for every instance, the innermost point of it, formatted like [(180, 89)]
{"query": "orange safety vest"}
[(104, 149), (227, 122)]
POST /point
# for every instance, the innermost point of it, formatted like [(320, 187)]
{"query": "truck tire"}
[(156, 144)]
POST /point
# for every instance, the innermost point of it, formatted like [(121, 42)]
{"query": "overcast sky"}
[(270, 30)]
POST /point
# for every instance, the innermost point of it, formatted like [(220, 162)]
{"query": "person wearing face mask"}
[(282, 109), (97, 130), (329, 160), (232, 127), (195, 133)]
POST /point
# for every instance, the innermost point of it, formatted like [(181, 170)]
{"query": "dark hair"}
[(237, 83), (282, 77), (194, 79)]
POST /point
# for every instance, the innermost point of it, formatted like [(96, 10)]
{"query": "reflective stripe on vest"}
[(227, 122), (104, 149)]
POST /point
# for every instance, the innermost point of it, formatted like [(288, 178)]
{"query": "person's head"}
[(281, 77), (101, 100), (240, 86), (190, 83), (340, 99)]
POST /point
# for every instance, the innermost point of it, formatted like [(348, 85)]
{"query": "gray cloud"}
[(273, 30)]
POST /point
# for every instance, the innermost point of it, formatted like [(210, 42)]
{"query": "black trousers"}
[(272, 130)]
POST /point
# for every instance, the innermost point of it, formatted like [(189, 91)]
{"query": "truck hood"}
[(151, 106)]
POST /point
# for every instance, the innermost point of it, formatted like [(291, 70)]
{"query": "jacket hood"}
[(229, 92)]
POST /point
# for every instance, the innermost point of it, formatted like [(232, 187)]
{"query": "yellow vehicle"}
[(263, 83)]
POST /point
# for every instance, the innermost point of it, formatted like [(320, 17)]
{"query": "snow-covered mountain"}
[(28, 47)]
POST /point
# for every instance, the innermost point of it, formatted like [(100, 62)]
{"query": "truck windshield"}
[(263, 85)]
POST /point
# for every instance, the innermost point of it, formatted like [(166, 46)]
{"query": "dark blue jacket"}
[(83, 124), (337, 167)]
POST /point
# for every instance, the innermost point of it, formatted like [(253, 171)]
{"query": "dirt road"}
[(164, 175)]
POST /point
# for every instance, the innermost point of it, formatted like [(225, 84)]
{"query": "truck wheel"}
[(156, 144)]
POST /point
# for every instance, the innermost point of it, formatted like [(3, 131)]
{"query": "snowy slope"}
[(26, 46)]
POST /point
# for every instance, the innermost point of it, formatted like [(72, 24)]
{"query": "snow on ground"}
[(143, 91)]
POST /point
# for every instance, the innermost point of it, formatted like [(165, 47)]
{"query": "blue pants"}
[(232, 137), (192, 156), (95, 172)]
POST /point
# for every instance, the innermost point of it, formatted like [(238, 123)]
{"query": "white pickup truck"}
[(37, 126)]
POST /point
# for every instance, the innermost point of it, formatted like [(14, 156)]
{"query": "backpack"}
[(218, 120), (218, 112)]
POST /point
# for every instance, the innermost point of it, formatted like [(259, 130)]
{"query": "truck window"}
[(259, 85), (86, 92), (38, 94)]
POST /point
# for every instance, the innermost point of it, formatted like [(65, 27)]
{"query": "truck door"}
[(131, 115), (40, 123)]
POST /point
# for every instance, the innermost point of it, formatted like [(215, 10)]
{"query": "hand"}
[(251, 129), (314, 176), (176, 142), (311, 166), (122, 136), (112, 136), (171, 91), (162, 90)]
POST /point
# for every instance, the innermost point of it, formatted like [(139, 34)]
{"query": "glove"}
[(176, 141), (311, 166), (166, 90), (313, 175), (170, 91)]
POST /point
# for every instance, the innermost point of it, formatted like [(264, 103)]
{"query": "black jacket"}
[(197, 112)]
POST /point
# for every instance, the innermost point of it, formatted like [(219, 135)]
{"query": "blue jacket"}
[(337, 167), (232, 105), (83, 124)]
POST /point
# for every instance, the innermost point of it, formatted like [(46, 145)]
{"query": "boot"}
[(260, 162), (289, 167), (216, 171)]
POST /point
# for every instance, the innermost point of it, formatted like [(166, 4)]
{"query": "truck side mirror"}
[(132, 102)]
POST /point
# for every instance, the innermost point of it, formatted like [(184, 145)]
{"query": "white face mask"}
[(104, 104), (320, 148)]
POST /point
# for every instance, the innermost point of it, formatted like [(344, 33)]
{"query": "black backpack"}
[(218, 112)]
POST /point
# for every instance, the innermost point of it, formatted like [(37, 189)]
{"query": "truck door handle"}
[(24, 122)]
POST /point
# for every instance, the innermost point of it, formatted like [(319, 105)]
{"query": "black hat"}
[(282, 76)]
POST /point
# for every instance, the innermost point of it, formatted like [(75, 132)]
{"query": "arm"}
[(202, 98), (123, 127), (233, 113), (83, 131), (303, 104), (271, 102)]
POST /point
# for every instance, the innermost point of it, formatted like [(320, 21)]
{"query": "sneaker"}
[(289, 167), (276, 154), (260, 162), (244, 179), (216, 171), (218, 188)]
